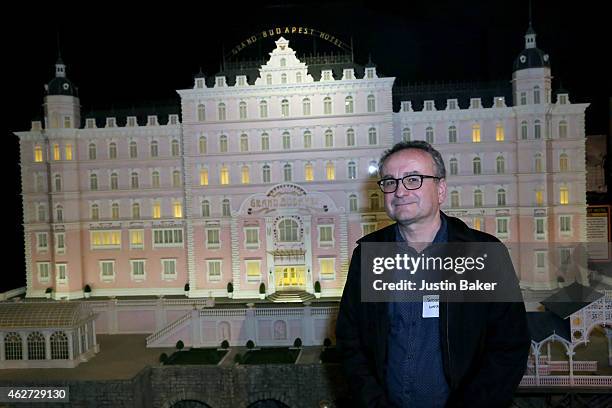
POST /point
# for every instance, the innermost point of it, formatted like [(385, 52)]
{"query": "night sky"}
[(121, 57)]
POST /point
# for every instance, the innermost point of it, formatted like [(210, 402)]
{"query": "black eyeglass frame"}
[(397, 180)]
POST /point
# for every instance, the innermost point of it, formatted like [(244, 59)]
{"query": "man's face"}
[(413, 206)]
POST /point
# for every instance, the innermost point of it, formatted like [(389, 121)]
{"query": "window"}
[(174, 147), (499, 132), (475, 103), (41, 214), (523, 98), (134, 180), (563, 129), (501, 197), (251, 237), (563, 195), (350, 137), (59, 213), (476, 166), (540, 259), (374, 201), (269, 79), (265, 173), (265, 142), (283, 78), (537, 130), (352, 170), (263, 109), (221, 111), (502, 226), (107, 270), (537, 163), (105, 239), (131, 121), (214, 270), (562, 99), (353, 203), (348, 104), (212, 238), (478, 198), (330, 171), (137, 267), (284, 108), (476, 133), (500, 163), (565, 224), (253, 270), (306, 107), (565, 258), (156, 210), (371, 103), (58, 183), (225, 208), (167, 237), (136, 239), (327, 76), (454, 199), (135, 211), (326, 235), (56, 152), (115, 211), (36, 346), (308, 172), (406, 106), (327, 105), (307, 139), (429, 105), (203, 145), (92, 151), (176, 178), (42, 241), (201, 113), (298, 77), (327, 268), (287, 172), (286, 141), (540, 228), (454, 166), (133, 150), (61, 273), (452, 134), (372, 136), (242, 110), (536, 94), (539, 197), (154, 149), (406, 134), (38, 154), (244, 142), (563, 162), (500, 102), (155, 179), (223, 144), (205, 208), (429, 135), (168, 268), (245, 177), (43, 271), (329, 138), (368, 228), (524, 130), (288, 230), (114, 181), (177, 209), (370, 72), (95, 212)]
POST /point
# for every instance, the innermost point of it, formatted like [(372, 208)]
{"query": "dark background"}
[(120, 56)]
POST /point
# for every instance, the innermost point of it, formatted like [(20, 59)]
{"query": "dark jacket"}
[(484, 345)]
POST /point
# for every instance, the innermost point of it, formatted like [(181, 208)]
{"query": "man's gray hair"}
[(438, 161)]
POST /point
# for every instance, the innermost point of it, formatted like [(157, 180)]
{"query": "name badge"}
[(431, 306)]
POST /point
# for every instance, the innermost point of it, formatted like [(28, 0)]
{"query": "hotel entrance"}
[(290, 277)]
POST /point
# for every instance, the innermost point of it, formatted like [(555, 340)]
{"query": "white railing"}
[(279, 312), (168, 328), (593, 380), (222, 312), (324, 311), (564, 381), (578, 365)]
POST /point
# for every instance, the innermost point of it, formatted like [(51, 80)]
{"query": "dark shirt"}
[(414, 371)]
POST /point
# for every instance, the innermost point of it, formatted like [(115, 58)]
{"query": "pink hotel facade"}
[(270, 180)]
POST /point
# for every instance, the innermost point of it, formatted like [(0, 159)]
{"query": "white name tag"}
[(431, 306)]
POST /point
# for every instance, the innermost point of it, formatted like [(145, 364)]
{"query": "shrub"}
[(327, 342), (87, 289), (187, 287), (230, 287), (297, 342), (224, 344), (163, 357), (49, 290), (250, 344), (180, 345), (317, 287), (262, 288)]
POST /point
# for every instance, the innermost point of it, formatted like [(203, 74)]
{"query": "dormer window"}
[(241, 80), (370, 73), (220, 81), (475, 103), (131, 121), (173, 119), (111, 122), (152, 120), (327, 75), (451, 104), (429, 105), (90, 123), (562, 99), (199, 83), (406, 106), (348, 74), (523, 98), (500, 102)]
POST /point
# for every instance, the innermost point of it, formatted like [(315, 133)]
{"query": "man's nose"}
[(401, 190)]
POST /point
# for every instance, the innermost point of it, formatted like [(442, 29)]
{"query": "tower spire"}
[(60, 67), (530, 37)]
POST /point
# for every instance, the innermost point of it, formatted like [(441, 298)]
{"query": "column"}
[(70, 346), (536, 354), (609, 336), (93, 331), (196, 333), (2, 348), (570, 354), (24, 346), (47, 346), (307, 326)]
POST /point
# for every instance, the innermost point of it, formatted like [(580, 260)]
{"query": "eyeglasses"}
[(411, 182)]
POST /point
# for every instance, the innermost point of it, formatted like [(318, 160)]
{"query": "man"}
[(470, 354)]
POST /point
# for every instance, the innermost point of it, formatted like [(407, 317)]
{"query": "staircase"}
[(290, 297)]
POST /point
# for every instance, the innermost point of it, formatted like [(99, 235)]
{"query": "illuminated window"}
[(245, 175), (134, 180), (287, 172), (177, 209), (368, 228), (156, 210), (105, 239), (406, 134), (133, 150), (38, 154), (371, 103), (155, 179), (286, 140), (214, 269), (563, 162), (500, 164), (285, 107), (350, 137), (263, 109), (306, 107), (93, 182), (221, 111), (327, 105), (56, 152), (201, 113), (154, 149), (244, 143), (524, 130), (478, 198), (352, 170), (348, 104), (58, 183), (253, 269), (499, 132), (429, 135), (329, 138), (454, 166), (265, 173), (501, 197), (537, 163), (476, 133), (223, 144), (539, 197), (308, 172), (454, 199), (92, 151), (563, 129), (176, 178), (452, 134), (265, 142), (476, 166), (203, 145), (203, 177), (564, 195), (242, 110), (307, 139), (353, 203), (174, 148), (330, 171), (205, 208), (135, 211), (287, 230), (477, 224), (224, 175), (115, 211), (372, 136)]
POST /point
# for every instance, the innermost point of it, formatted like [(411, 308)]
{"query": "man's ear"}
[(442, 190)]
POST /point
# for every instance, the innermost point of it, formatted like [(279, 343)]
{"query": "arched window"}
[(93, 152), (452, 134), (59, 213), (330, 171), (269, 79), (287, 172), (329, 138), (478, 198), (353, 203), (134, 183), (308, 172), (374, 201), (221, 109), (223, 144), (265, 173), (203, 145), (115, 211), (306, 107), (476, 166), (154, 149), (205, 208), (327, 105), (537, 163), (114, 181), (93, 182), (242, 110), (265, 142), (133, 150), (307, 139), (352, 170), (500, 164), (58, 182), (371, 103), (41, 213), (288, 230), (429, 135), (298, 77), (524, 130), (537, 130), (563, 162), (350, 137), (59, 346), (201, 113), (263, 109), (224, 175), (286, 141), (406, 134), (245, 176), (283, 78), (536, 94), (454, 199), (135, 211), (225, 208), (244, 142), (36, 346), (348, 104), (283, 62), (285, 107), (38, 154), (454, 166), (372, 136), (176, 178), (13, 347), (177, 209), (112, 150), (563, 129), (501, 197), (155, 180), (499, 132), (564, 195), (175, 148), (476, 133)]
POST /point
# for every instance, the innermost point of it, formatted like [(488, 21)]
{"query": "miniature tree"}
[(317, 287), (250, 344), (297, 343), (327, 342), (163, 357), (230, 287), (224, 344), (180, 345), (262, 288), (187, 287), (87, 289)]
